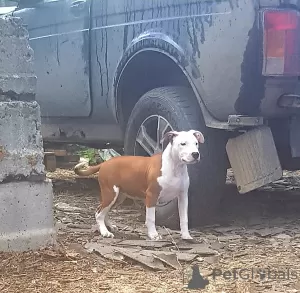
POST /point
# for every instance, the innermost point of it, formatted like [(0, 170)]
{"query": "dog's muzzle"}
[(195, 155)]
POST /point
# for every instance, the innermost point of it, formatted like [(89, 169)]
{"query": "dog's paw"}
[(154, 236), (112, 228), (186, 236), (107, 234)]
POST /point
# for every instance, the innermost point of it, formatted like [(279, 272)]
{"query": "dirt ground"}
[(256, 231)]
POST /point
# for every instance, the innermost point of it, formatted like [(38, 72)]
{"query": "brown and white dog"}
[(161, 176)]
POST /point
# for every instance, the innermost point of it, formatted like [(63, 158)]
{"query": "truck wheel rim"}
[(149, 136)]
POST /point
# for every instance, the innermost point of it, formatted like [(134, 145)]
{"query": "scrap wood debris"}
[(154, 259), (250, 237)]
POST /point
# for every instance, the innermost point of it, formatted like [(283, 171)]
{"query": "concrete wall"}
[(26, 217)]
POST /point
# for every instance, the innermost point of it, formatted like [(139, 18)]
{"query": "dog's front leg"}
[(150, 223), (183, 215), (151, 199)]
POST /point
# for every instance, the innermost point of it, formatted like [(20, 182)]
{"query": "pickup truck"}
[(121, 73)]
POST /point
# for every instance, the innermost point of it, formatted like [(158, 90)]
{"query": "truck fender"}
[(159, 42)]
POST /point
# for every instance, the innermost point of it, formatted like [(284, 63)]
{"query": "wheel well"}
[(146, 71)]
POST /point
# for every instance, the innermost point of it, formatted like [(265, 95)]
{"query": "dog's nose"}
[(195, 155)]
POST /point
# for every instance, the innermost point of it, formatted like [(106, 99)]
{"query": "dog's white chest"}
[(170, 184), (171, 187), (174, 179)]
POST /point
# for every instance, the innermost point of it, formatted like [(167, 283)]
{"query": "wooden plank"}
[(69, 158), (50, 161), (58, 153), (65, 165)]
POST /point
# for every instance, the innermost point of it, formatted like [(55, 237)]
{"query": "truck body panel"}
[(60, 41), (81, 56)]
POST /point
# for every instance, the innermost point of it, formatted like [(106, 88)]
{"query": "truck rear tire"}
[(176, 108)]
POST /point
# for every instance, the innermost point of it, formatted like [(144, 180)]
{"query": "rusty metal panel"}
[(254, 159)]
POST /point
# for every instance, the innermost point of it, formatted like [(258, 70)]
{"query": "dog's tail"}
[(89, 171)]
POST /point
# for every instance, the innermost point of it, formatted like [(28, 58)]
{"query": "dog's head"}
[(185, 145)]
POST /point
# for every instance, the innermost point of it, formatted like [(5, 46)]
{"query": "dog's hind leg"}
[(118, 202), (109, 225), (109, 198)]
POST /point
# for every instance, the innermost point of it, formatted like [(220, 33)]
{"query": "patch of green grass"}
[(95, 156), (90, 154)]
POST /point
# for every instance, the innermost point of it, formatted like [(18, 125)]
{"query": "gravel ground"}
[(256, 231)]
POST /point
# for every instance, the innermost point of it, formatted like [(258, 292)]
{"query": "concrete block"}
[(26, 214), (21, 144), (26, 218), (17, 78)]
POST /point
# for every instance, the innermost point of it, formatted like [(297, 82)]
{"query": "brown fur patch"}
[(133, 175)]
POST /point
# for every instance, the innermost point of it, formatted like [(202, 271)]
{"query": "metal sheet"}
[(254, 159)]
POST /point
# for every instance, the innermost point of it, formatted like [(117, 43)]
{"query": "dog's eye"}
[(183, 143)]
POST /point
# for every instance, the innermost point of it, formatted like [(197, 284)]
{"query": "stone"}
[(26, 219), (21, 141), (17, 78), (26, 196)]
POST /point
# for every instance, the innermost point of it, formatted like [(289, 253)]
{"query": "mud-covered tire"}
[(180, 108)]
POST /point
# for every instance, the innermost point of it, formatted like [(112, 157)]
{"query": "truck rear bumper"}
[(280, 98)]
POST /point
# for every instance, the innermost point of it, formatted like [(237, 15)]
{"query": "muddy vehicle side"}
[(121, 73)]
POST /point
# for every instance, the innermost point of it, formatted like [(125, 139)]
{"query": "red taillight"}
[(281, 42)]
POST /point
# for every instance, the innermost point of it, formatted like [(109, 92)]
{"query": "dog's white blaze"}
[(102, 217), (174, 179), (174, 176)]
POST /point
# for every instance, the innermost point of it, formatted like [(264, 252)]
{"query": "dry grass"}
[(69, 268)]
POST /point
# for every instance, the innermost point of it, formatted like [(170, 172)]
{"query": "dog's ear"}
[(199, 136), (169, 136)]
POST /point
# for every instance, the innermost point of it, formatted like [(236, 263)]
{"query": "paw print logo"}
[(261, 274)]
